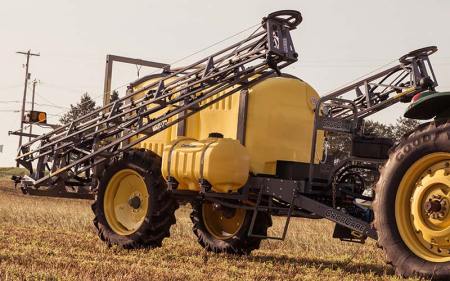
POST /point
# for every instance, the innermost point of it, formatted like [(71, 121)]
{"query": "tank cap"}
[(215, 135)]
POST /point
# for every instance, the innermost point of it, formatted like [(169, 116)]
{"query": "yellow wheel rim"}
[(126, 202), (221, 224), (422, 207)]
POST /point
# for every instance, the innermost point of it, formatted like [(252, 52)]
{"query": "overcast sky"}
[(338, 41)]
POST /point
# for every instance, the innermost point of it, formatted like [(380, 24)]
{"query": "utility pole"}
[(27, 76), (32, 106)]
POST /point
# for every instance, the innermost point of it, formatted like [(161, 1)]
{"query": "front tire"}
[(412, 204), (226, 231), (133, 208)]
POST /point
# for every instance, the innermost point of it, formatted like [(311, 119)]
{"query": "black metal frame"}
[(76, 148), (290, 200), (72, 152), (110, 59), (342, 115), (341, 111)]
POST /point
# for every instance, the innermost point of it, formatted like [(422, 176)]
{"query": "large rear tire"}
[(411, 205), (133, 208), (226, 231)]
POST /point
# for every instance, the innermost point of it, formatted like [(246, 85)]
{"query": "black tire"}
[(161, 213), (428, 138), (238, 244)]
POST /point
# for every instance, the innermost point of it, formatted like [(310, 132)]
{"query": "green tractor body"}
[(429, 105)]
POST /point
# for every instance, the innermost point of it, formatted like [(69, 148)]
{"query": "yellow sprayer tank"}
[(273, 120), (224, 163)]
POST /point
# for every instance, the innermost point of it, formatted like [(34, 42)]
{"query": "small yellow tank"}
[(222, 162)]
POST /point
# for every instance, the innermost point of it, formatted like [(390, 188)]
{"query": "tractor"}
[(242, 142)]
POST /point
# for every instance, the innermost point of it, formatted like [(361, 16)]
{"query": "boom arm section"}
[(69, 154), (399, 83), (342, 110)]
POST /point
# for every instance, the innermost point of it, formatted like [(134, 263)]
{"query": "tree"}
[(82, 108), (395, 131), (403, 126), (114, 96), (374, 128)]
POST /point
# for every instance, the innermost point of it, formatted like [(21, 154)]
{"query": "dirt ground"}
[(53, 239)]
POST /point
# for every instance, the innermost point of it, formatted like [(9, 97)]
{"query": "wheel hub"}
[(221, 222), (436, 207), (126, 201), (135, 202), (430, 208)]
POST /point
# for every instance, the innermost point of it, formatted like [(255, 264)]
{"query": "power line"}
[(362, 76), (125, 84), (40, 104), (53, 114), (10, 101), (10, 87), (216, 43), (54, 86), (51, 105)]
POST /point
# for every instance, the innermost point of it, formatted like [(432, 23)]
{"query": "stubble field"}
[(53, 239)]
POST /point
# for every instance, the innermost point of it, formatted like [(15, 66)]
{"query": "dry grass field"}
[(53, 239)]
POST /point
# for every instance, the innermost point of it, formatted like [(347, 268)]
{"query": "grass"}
[(53, 239), (7, 172)]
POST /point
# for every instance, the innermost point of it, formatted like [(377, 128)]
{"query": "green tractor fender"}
[(428, 105)]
